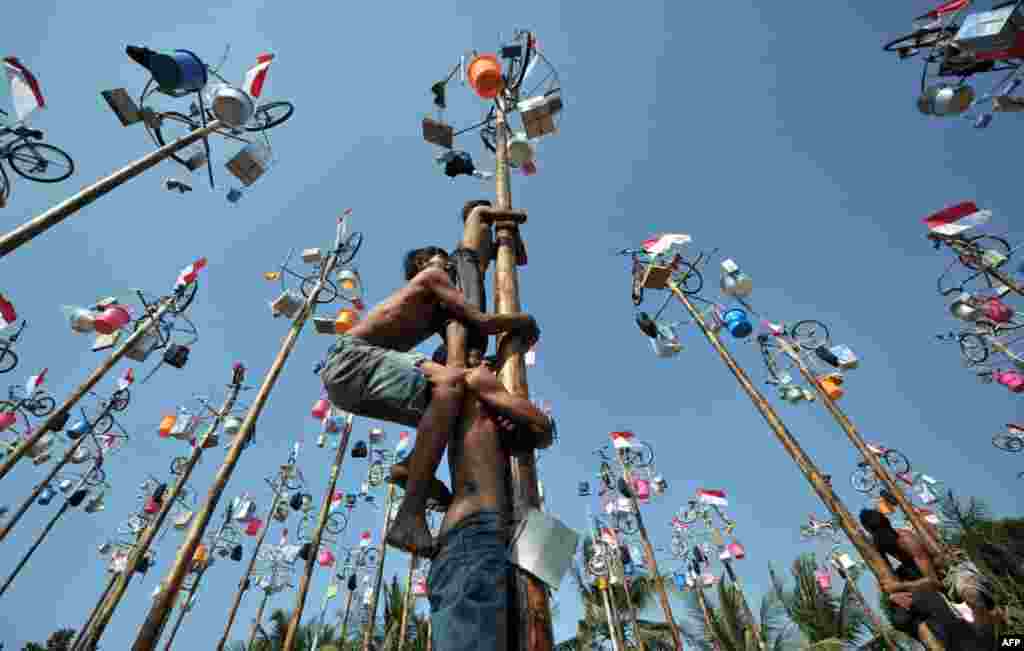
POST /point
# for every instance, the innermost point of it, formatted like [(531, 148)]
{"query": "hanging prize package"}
[(176, 355), (544, 547), (359, 450)]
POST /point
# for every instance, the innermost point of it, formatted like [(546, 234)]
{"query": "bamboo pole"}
[(872, 558), (430, 639), (36, 226), (39, 540), (243, 584), (50, 423), (934, 546), (259, 618), (84, 631), (407, 601), (652, 563), (528, 608), (709, 630), (325, 511), (186, 607), (613, 628), (344, 623), (149, 634), (151, 531), (368, 633), (632, 613)]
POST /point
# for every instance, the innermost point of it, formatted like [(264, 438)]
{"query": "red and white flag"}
[(257, 75), (716, 497), (660, 244), (24, 88), (364, 539), (189, 274), (774, 328), (7, 313), (622, 440), (609, 536), (957, 219), (337, 500), (126, 380), (34, 382)]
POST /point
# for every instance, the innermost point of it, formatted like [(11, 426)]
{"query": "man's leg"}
[(439, 493), (521, 411), (409, 531)]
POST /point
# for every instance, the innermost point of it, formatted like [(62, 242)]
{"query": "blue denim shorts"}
[(468, 586), (375, 382)]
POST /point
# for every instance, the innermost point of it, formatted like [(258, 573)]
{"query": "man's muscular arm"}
[(438, 283), (923, 561)]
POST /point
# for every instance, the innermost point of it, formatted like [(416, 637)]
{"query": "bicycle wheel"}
[(768, 353), (973, 348), (336, 523), (184, 296), (270, 115), (640, 455), (922, 38), (40, 162), (173, 127), (689, 279), (119, 400), (981, 243), (350, 248), (328, 294), (103, 425), (810, 334), (897, 462), (863, 480), (1008, 442), (41, 406), (8, 360), (5, 187)]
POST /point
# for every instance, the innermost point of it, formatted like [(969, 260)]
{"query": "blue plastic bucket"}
[(738, 323), (77, 430), (178, 70), (680, 580)]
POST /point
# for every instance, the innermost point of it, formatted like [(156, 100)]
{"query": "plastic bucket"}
[(7, 419), (113, 318), (178, 70), (484, 75), (345, 320), (320, 409), (737, 322), (82, 320), (252, 527)]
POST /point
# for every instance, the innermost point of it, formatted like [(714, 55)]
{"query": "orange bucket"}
[(166, 425), (345, 320), (484, 75)]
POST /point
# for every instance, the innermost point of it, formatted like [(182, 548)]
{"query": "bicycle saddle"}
[(29, 133)]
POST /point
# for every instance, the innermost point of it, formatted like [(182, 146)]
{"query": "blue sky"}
[(781, 135)]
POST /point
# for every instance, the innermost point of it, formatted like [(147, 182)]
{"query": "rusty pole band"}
[(151, 531), (97, 375), (92, 615), (935, 547), (325, 511), (652, 563), (186, 607), (408, 600), (35, 545), (151, 629), (36, 226), (878, 565), (243, 585), (256, 622), (529, 611), (368, 634)]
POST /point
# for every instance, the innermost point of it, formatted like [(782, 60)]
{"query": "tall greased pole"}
[(634, 620), (378, 581), (35, 545), (82, 632), (37, 226), (325, 511), (529, 610), (50, 424), (185, 607), (934, 546), (872, 557), (151, 531), (151, 629), (407, 602), (257, 620), (344, 622), (851, 583), (652, 563), (709, 630)]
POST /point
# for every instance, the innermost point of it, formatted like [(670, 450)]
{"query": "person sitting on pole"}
[(917, 592), (372, 372)]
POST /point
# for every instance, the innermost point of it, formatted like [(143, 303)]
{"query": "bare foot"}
[(410, 534), (440, 498)]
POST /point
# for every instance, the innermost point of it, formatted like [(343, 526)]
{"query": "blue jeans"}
[(468, 586)]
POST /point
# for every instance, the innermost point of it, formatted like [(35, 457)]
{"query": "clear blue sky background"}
[(782, 135)]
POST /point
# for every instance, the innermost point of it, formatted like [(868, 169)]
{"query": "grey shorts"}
[(376, 382)]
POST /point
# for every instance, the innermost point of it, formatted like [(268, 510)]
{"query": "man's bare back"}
[(402, 321)]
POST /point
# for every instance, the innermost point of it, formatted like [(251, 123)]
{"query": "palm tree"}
[(59, 640), (729, 628), (303, 639)]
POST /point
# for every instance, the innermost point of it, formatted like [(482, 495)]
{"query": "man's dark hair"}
[(879, 527), (416, 258), (470, 205)]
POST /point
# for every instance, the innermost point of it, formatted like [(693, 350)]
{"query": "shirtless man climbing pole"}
[(371, 372)]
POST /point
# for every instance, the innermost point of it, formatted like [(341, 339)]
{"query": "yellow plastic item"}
[(602, 583), (346, 318), (201, 556), (830, 383), (484, 75), (884, 507)]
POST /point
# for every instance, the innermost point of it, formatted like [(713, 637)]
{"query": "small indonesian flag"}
[(622, 440), (364, 539), (531, 356), (24, 88), (126, 380), (957, 219), (403, 446), (774, 328), (190, 273), (34, 382), (662, 243), (337, 500), (950, 7), (716, 497), (254, 79), (7, 313)]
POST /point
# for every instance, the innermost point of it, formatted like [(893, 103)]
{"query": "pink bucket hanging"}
[(642, 488), (736, 550), (7, 419), (1012, 380), (152, 506), (113, 318), (252, 527), (824, 578), (996, 310), (320, 409), (326, 558)]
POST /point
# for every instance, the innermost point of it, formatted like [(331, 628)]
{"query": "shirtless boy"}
[(371, 372)]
